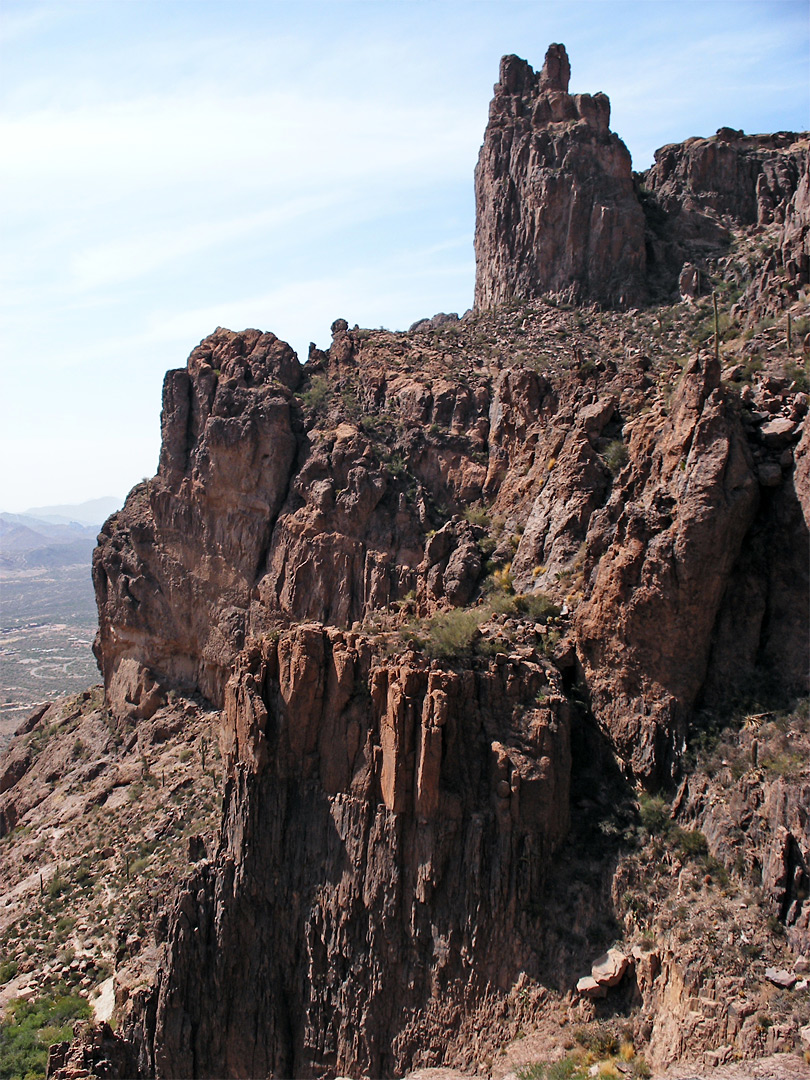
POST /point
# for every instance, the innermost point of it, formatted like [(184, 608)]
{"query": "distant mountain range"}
[(52, 536), (93, 512)]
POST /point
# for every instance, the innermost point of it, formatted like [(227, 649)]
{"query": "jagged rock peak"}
[(556, 210), (556, 69), (517, 76)]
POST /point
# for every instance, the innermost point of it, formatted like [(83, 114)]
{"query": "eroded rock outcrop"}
[(556, 210), (387, 830), (625, 531), (702, 187)]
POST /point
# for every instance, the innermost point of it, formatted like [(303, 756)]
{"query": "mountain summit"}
[(503, 623)]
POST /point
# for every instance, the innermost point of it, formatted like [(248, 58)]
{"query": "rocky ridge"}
[(559, 210), (466, 596)]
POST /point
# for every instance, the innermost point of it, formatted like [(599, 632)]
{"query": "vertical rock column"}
[(556, 210)]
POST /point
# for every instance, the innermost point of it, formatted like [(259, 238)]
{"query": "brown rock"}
[(769, 474), (778, 433), (786, 979), (610, 969), (370, 856), (642, 691), (556, 211)]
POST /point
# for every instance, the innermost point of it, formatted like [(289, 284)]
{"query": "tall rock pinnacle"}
[(556, 211)]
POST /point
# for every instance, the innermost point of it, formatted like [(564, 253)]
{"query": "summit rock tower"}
[(556, 209)]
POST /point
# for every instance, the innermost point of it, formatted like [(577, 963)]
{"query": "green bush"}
[(654, 813), (477, 515), (30, 1027), (8, 969), (316, 396), (536, 606), (452, 634), (566, 1069), (691, 842), (57, 885), (615, 456)]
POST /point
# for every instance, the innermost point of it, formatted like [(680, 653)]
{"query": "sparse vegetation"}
[(30, 1027), (616, 456), (317, 395)]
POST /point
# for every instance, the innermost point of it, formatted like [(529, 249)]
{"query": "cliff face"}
[(329, 518), (386, 829), (702, 188), (432, 577), (556, 211), (559, 211)]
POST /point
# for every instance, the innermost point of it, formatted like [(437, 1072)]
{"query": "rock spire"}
[(556, 210)]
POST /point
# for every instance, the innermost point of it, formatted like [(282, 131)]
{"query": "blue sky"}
[(169, 167)]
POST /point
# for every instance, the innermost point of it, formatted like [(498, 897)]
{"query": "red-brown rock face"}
[(261, 513), (705, 185), (644, 634), (175, 569), (388, 825), (556, 211), (750, 178)]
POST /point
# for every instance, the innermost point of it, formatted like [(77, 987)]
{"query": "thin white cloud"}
[(16, 24), (170, 167), (127, 258)]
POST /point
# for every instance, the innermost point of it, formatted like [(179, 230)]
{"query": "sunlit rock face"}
[(556, 210)]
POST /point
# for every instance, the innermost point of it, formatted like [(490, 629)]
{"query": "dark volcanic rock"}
[(584, 484), (750, 178), (96, 1051), (698, 188), (175, 569), (388, 826), (556, 210)]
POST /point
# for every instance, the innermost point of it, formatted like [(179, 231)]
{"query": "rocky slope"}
[(491, 609), (642, 499)]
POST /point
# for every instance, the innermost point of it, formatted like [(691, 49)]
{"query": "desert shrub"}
[(452, 633), (486, 545), (775, 926), (83, 876), (783, 763), (615, 456), (477, 515), (8, 969), (316, 396), (799, 375), (565, 1069), (653, 812), (57, 885), (536, 606), (30, 1027), (502, 578), (690, 842), (600, 1039)]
